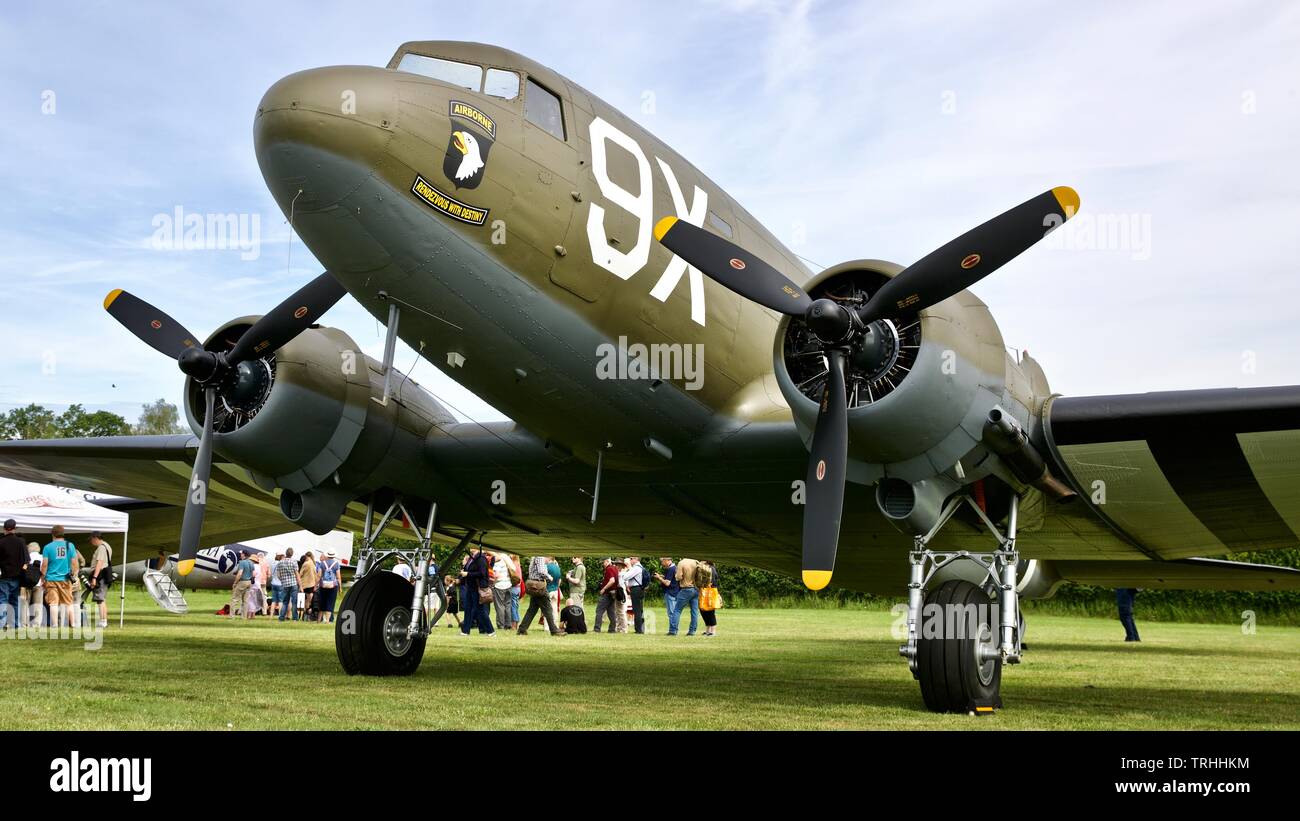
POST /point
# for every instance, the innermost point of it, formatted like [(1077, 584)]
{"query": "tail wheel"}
[(955, 676), (370, 631)]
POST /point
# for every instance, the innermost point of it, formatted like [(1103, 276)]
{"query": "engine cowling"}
[(919, 390), (302, 420)]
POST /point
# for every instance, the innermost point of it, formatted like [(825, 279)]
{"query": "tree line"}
[(38, 422)]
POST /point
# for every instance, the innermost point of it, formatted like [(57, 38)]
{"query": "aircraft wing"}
[(1141, 530), (1186, 473), (154, 472)]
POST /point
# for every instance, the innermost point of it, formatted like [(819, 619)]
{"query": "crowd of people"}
[(298, 589), (485, 592), (43, 586)]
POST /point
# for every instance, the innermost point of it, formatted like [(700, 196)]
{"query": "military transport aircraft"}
[(679, 384)]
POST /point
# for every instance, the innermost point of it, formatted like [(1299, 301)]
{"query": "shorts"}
[(100, 590), (325, 598), (58, 592)]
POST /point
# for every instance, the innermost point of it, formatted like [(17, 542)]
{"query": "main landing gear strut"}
[(384, 619), (961, 634)]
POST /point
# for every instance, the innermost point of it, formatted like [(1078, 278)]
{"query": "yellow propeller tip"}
[(663, 226), (185, 566), (1068, 198), (112, 295), (816, 579)]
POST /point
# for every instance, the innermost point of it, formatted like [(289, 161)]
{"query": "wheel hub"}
[(397, 641), (986, 653)]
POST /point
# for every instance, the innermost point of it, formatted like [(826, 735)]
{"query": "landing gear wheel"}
[(370, 630), (953, 675)]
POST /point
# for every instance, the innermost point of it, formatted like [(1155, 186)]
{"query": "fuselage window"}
[(464, 75), (719, 223), (542, 109), (501, 83)]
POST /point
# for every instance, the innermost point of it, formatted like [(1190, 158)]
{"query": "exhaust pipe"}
[(1005, 438), (317, 510)]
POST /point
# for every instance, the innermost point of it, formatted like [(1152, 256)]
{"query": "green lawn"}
[(769, 669)]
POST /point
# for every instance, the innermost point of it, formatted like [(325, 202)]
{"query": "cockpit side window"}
[(464, 75), (501, 83), (723, 227), (542, 109)]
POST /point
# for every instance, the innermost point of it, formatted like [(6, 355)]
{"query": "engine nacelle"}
[(919, 390), (302, 419), (294, 416)]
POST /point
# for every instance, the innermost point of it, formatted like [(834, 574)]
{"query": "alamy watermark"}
[(1101, 232), (191, 231), (655, 362), (53, 623), (949, 621)]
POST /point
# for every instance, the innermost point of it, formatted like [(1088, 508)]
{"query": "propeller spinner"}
[(940, 274)]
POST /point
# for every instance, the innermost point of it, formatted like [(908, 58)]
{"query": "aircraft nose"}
[(323, 132)]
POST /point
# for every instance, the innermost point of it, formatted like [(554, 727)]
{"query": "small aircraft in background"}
[(214, 567)]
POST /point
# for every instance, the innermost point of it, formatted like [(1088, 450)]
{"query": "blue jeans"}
[(476, 613), (670, 603), (686, 597), (514, 604), (1124, 598), (289, 602), (9, 590)]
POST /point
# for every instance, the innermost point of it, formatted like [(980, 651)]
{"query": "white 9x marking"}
[(626, 265)]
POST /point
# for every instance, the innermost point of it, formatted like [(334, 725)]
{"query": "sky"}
[(849, 129)]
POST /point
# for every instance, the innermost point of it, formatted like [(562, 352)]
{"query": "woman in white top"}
[(33, 598), (624, 600), (501, 591)]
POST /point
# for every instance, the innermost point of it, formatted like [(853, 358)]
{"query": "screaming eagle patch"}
[(467, 148)]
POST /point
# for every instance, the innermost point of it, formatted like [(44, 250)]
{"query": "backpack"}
[(535, 587), (329, 574), (31, 576)]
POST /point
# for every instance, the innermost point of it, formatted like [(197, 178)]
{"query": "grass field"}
[(769, 669)]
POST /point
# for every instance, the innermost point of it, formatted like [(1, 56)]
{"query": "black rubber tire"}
[(359, 627), (946, 667)]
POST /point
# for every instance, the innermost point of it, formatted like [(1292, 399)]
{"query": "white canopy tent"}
[(37, 508)]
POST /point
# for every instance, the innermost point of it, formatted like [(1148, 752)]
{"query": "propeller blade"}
[(972, 256), (824, 488), (288, 319), (153, 327), (732, 266), (196, 503)]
